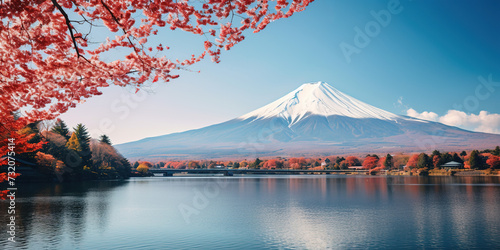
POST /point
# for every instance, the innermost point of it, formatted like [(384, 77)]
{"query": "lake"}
[(259, 212)]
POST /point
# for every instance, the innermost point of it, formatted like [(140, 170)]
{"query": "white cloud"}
[(483, 122), (429, 116)]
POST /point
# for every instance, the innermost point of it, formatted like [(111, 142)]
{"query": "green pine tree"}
[(496, 151), (475, 161), (457, 158), (435, 152), (424, 161), (105, 139), (61, 128), (388, 163), (84, 139)]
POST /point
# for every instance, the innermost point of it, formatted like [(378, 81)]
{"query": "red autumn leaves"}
[(49, 63)]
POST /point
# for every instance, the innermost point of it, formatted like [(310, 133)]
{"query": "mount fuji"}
[(314, 119)]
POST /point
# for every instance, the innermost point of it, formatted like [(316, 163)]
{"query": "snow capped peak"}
[(318, 98)]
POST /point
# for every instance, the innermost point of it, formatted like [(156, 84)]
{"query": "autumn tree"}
[(353, 161), (73, 143), (273, 163), (57, 53), (412, 162), (193, 164), (143, 168), (370, 162), (297, 163), (107, 162), (46, 163), (493, 161), (436, 160)]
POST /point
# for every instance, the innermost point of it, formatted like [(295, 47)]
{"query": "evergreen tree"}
[(435, 152), (73, 143), (61, 128), (84, 139), (339, 160), (475, 161), (457, 158), (446, 157), (105, 139), (257, 162), (464, 153), (496, 151), (136, 164), (388, 163), (424, 161)]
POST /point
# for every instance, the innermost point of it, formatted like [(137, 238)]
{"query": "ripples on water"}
[(255, 212)]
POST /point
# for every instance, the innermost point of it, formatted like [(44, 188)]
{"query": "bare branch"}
[(68, 23)]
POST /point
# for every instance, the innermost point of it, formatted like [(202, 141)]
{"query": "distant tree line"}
[(415, 162), (73, 155)]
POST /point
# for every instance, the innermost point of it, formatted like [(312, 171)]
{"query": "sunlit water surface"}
[(259, 212)]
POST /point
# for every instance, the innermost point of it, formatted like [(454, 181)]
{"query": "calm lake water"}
[(259, 212)]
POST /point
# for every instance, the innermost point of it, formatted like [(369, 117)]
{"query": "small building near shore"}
[(452, 164), (356, 167)]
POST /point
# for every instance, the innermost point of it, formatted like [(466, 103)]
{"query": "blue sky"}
[(428, 57)]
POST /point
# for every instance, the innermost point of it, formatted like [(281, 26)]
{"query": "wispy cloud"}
[(482, 122)]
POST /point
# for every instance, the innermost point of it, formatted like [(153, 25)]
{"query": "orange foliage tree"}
[(435, 161), (493, 161), (412, 162), (273, 163), (370, 162), (352, 161)]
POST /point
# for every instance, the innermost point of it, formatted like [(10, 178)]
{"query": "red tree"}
[(412, 162), (50, 63), (493, 161), (435, 160), (273, 163), (352, 161), (370, 162)]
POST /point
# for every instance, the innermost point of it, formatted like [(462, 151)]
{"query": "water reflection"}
[(46, 213), (256, 212)]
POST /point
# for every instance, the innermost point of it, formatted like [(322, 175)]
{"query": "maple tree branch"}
[(124, 31), (68, 23)]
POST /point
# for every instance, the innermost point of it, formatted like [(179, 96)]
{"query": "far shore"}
[(433, 172)]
